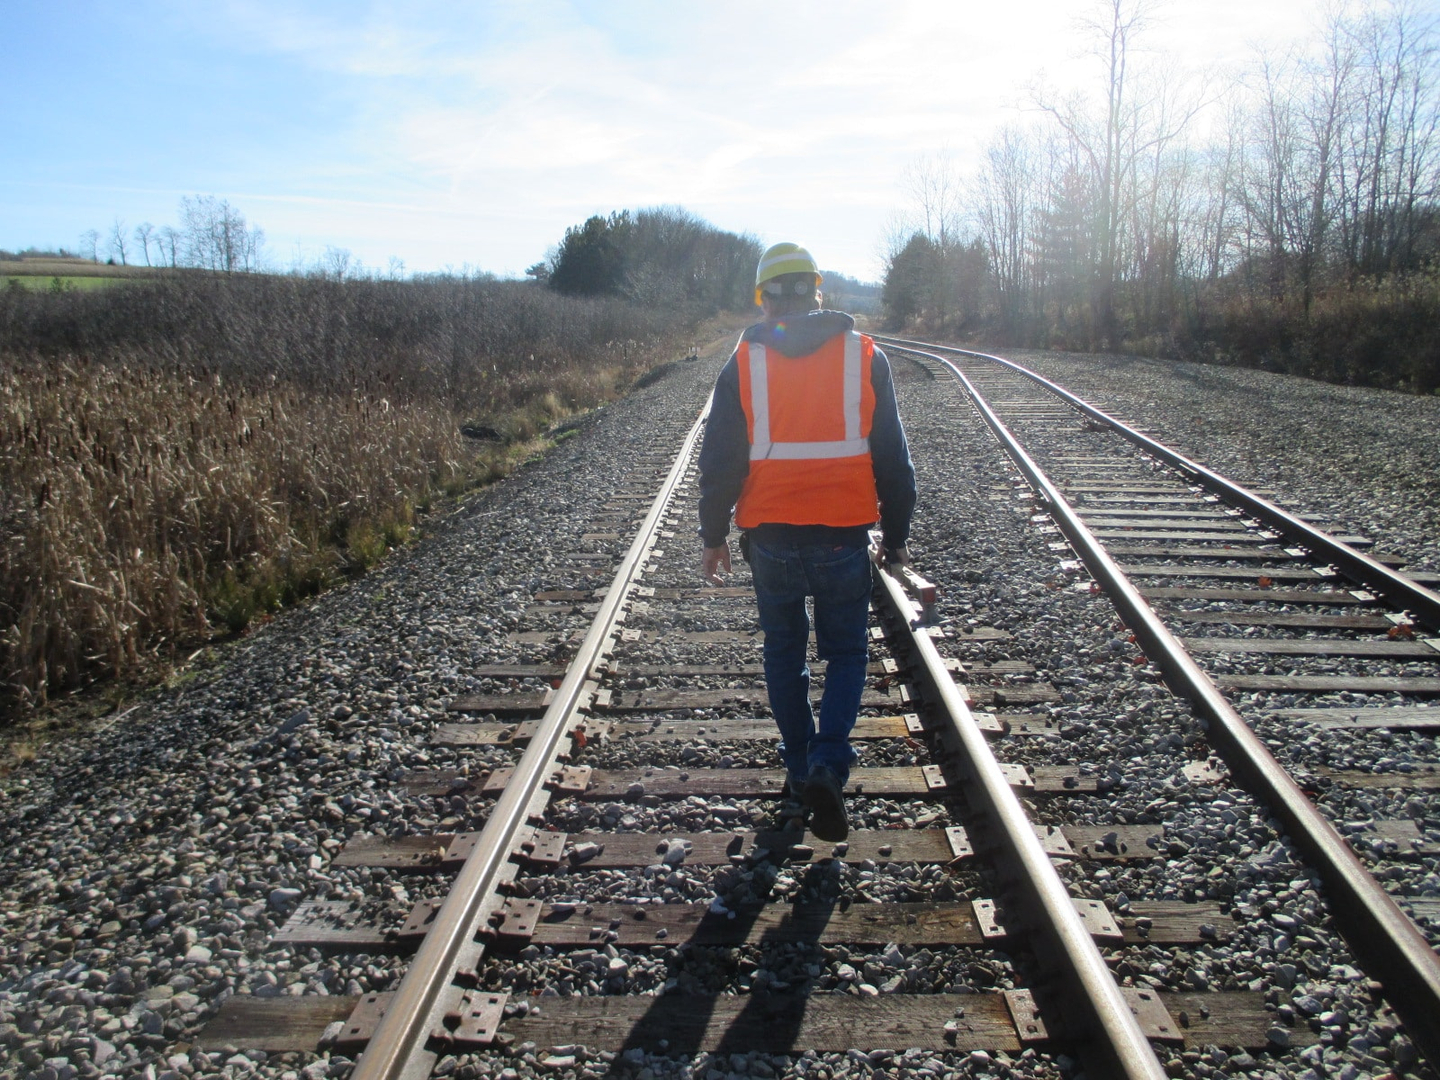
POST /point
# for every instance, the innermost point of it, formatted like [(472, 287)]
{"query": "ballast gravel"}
[(146, 861)]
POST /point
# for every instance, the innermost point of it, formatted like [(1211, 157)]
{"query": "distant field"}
[(62, 267), (73, 273), (68, 281)]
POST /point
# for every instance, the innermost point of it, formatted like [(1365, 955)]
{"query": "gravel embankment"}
[(144, 864)]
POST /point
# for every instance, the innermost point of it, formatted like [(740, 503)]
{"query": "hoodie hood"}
[(801, 334)]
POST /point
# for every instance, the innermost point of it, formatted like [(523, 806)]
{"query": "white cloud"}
[(489, 127)]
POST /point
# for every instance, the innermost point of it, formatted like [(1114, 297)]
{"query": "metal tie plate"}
[(960, 845), (1053, 839), (1099, 923), (541, 849), (1209, 771), (570, 779), (420, 918), (1152, 1016), (989, 723), (496, 782), (516, 919), (1017, 775), (477, 1019), (989, 918), (1098, 920), (360, 1025), (461, 846), (1025, 1014)]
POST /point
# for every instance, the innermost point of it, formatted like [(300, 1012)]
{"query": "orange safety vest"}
[(808, 419)]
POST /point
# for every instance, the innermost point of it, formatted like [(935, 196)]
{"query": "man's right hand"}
[(896, 555), (714, 560)]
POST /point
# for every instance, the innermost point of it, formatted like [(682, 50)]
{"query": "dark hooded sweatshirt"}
[(725, 453)]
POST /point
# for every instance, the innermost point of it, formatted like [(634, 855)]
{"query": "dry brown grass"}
[(138, 506), (146, 508)]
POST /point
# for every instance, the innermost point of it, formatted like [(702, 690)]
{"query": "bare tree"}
[(335, 263), (1215, 225), (168, 242), (117, 242), (1134, 127), (1293, 165), (1386, 167), (144, 232), (1005, 197), (90, 242), (933, 183), (217, 237)]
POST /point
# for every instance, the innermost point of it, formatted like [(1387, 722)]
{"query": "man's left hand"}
[(714, 560)]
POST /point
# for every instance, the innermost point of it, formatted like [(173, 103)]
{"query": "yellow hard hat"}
[(785, 258)]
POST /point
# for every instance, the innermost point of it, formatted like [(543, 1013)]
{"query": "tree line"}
[(662, 257), (1285, 217), (211, 235)]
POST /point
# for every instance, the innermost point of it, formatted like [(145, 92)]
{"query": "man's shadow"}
[(680, 1024)]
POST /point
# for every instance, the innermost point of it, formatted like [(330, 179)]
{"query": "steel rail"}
[(1422, 603), (398, 1047), (1385, 940), (1102, 1020)]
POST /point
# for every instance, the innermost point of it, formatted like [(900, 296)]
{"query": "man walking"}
[(804, 444)]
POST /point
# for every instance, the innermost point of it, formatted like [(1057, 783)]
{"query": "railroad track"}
[(615, 824)]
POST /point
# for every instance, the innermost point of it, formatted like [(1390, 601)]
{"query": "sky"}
[(469, 134)]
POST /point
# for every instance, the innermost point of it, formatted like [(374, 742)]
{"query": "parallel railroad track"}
[(637, 772)]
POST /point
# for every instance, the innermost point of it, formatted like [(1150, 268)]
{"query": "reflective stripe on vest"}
[(761, 446)]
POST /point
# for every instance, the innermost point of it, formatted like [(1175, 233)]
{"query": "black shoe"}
[(827, 805)]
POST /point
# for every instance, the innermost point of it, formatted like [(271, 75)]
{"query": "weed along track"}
[(1049, 865), (512, 805)]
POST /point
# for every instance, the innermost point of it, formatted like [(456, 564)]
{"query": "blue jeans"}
[(838, 577)]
